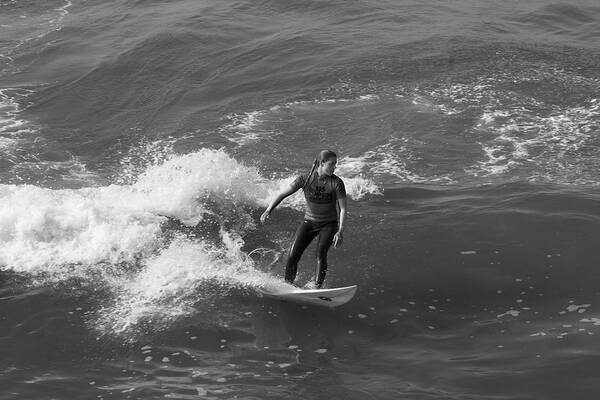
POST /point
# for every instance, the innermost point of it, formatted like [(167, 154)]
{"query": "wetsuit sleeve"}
[(298, 182), (340, 189)]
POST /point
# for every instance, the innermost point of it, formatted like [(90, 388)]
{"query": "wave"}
[(12, 126), (45, 228), (177, 227)]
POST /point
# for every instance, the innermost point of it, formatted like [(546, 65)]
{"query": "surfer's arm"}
[(339, 238), (278, 199)]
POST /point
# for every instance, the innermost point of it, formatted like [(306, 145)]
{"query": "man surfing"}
[(324, 193)]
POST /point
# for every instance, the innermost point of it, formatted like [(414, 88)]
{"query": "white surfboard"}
[(317, 297)]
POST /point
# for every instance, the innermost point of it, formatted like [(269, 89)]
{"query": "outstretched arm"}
[(275, 202), (339, 236)]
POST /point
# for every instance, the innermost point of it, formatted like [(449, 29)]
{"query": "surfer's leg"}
[(325, 240), (304, 235)]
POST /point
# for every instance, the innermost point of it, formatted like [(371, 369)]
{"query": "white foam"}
[(43, 228), (246, 128), (576, 307), (550, 143), (7, 144), (522, 135), (512, 313), (595, 321), (327, 100), (143, 156), (387, 159), (175, 280), (56, 23), (178, 186), (257, 125), (358, 187), (369, 97), (69, 171), (12, 126)]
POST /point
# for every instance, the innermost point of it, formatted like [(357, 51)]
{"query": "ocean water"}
[(141, 140)]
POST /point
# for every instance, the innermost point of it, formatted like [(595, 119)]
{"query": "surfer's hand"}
[(338, 239), (265, 216)]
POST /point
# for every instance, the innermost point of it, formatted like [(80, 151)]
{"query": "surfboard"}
[(333, 297)]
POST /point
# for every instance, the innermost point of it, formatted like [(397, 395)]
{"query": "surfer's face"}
[(328, 166)]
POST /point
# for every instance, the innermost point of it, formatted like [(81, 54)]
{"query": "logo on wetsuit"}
[(319, 194)]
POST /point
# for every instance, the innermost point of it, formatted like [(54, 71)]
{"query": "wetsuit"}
[(320, 219)]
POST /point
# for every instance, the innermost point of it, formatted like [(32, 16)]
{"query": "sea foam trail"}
[(184, 277)]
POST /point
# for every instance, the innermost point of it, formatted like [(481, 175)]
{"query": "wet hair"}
[(324, 156)]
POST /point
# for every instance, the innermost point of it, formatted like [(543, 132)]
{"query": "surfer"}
[(324, 193)]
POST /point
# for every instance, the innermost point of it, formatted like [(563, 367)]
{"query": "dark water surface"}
[(141, 140)]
